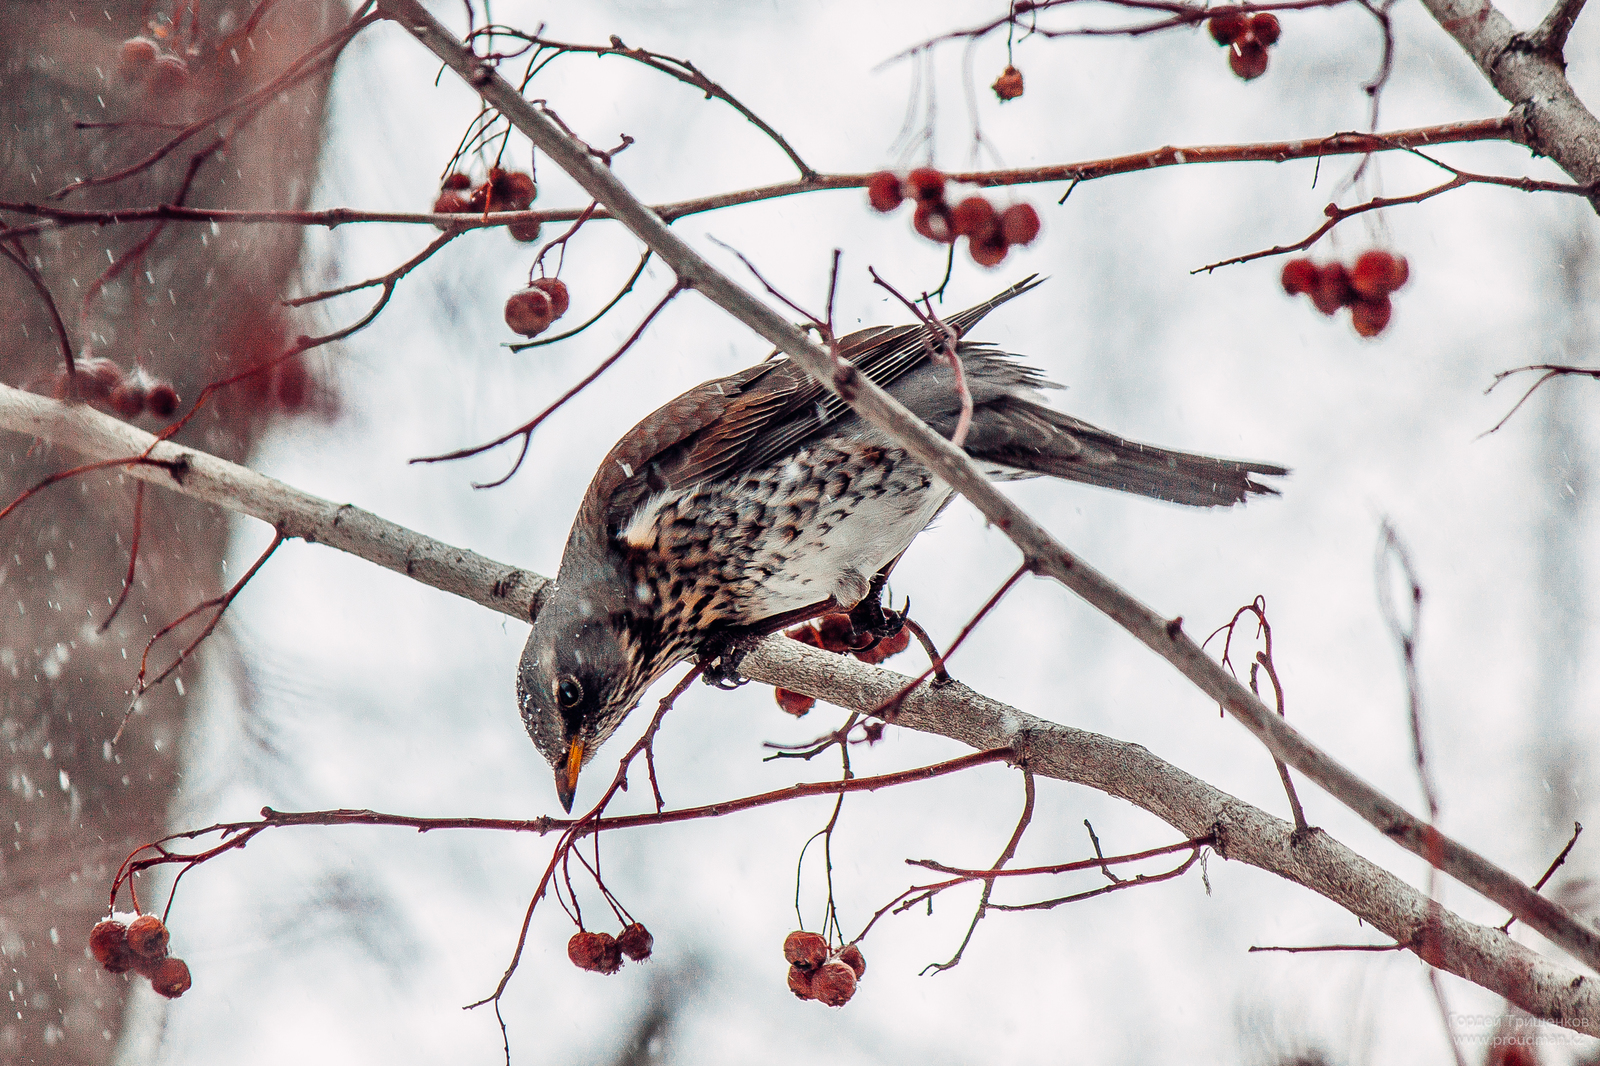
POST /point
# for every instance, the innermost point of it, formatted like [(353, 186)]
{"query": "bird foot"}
[(719, 664)]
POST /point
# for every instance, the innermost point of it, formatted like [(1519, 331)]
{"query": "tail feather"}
[(1032, 438)]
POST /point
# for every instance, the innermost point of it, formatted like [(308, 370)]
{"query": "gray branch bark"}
[(1315, 860)]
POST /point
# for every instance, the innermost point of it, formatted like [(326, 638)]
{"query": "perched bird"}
[(754, 499)]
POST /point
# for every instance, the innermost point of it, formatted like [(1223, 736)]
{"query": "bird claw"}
[(719, 667), (871, 618)]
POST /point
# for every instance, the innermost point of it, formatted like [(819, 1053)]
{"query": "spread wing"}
[(750, 419)]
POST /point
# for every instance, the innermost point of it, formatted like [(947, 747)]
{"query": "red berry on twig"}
[(636, 942), (1225, 29), (170, 978), (108, 943), (529, 312), (1299, 275), (926, 184), (1019, 224), (168, 74), (597, 952), (1248, 58), (795, 703), (526, 232), (162, 401), (1264, 27), (148, 936), (886, 647), (456, 182), (805, 950), (1009, 85), (1378, 273), (884, 192), (851, 956), (932, 220), (127, 399), (134, 57), (974, 217), (988, 252), (800, 982), (556, 289), (1332, 290), (1370, 314), (834, 984)]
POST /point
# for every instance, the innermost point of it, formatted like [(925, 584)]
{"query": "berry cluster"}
[(1008, 86), (502, 190), (530, 311), (602, 952), (141, 63), (835, 633), (1246, 37), (102, 382), (990, 233), (817, 973), (1364, 287), (141, 946)]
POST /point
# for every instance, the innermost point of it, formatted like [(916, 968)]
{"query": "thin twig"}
[(988, 884)]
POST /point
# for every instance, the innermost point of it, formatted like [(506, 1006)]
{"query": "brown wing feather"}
[(748, 419)]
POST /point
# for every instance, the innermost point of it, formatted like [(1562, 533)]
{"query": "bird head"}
[(582, 671)]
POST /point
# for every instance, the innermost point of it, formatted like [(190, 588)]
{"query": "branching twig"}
[(988, 884), (1551, 370)]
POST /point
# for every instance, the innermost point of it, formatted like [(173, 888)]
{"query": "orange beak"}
[(567, 776)]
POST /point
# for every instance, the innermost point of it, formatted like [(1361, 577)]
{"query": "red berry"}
[(974, 217), (162, 401), (108, 943), (1370, 314), (597, 952), (1008, 86), (1264, 27), (988, 253), (526, 232), (450, 203), (456, 182), (795, 703), (168, 74), (636, 942), (134, 57), (805, 950), (834, 984), (148, 937), (800, 982), (1019, 224), (1248, 59), (1378, 273), (835, 632), (1225, 29), (96, 378), (806, 634), (932, 220), (886, 647), (127, 399), (851, 956), (557, 291), (170, 978), (510, 190), (1332, 290), (884, 192), (1299, 275), (529, 312), (926, 184)]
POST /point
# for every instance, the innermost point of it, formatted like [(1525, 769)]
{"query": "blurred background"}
[(335, 684)]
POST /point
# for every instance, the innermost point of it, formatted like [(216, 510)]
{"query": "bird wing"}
[(747, 420)]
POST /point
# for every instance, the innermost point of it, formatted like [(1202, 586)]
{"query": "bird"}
[(760, 498)]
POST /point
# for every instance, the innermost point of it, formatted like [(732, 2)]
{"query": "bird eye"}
[(569, 693)]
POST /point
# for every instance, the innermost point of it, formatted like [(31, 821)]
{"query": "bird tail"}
[(1044, 441)]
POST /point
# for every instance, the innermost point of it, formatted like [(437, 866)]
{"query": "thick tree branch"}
[(1528, 71), (1313, 859), (1041, 552)]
